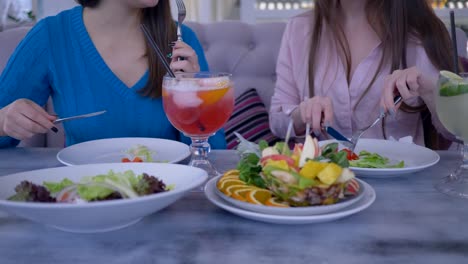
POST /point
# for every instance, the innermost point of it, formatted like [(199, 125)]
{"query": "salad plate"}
[(99, 216), (113, 150), (368, 197), (414, 157), (295, 211)]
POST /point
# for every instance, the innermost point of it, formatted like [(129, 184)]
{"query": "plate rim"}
[(268, 217), (98, 204), (336, 206), (72, 147)]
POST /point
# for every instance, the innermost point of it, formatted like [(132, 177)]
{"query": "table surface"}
[(410, 222)]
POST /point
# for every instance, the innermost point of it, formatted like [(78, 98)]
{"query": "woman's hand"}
[(314, 111), (405, 82), (190, 62), (23, 118)]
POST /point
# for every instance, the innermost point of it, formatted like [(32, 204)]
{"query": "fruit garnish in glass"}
[(198, 105), (452, 109)]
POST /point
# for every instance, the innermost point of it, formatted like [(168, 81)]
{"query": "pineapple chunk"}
[(311, 169), (330, 173), (280, 164)]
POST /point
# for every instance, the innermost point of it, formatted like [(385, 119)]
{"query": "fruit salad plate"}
[(367, 198), (295, 211)]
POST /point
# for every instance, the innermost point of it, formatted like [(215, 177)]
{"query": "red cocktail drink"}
[(198, 104)]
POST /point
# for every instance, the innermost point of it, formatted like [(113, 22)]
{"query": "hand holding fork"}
[(181, 13), (184, 58)]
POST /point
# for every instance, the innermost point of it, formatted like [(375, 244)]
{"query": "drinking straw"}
[(155, 47), (454, 42)]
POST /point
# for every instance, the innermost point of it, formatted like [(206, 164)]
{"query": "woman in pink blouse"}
[(342, 64)]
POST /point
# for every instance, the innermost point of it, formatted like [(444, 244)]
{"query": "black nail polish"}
[(171, 45), (54, 129)]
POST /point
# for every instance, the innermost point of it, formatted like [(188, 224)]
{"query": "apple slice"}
[(346, 175), (309, 151), (269, 151)]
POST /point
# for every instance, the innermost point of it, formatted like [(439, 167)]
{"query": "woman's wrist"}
[(2, 121)]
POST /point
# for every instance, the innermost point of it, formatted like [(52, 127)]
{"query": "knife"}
[(338, 136), (60, 120)]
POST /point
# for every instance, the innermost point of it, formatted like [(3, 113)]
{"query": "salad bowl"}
[(112, 150), (99, 216)]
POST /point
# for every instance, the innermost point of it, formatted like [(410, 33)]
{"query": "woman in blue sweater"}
[(94, 57)]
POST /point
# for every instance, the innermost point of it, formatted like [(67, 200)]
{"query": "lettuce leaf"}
[(55, 187), (374, 160)]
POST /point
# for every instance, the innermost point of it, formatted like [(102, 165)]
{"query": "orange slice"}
[(229, 177), (223, 184), (210, 97), (273, 202), (231, 173), (229, 191), (259, 196), (240, 194)]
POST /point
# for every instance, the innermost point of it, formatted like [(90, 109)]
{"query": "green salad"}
[(373, 160), (110, 186)]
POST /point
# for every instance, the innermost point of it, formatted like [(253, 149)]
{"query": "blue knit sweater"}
[(58, 58)]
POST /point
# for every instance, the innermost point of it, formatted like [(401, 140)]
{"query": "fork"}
[(181, 13), (357, 135)]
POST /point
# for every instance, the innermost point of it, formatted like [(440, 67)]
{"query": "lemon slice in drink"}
[(451, 76), (452, 84)]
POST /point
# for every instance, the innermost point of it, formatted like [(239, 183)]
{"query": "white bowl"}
[(416, 157), (105, 215), (112, 150)]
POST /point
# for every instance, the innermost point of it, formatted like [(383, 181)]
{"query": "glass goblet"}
[(198, 104), (452, 110)]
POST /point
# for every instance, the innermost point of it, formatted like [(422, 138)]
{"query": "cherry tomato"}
[(351, 155), (137, 159), (126, 160)]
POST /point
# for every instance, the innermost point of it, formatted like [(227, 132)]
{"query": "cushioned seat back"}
[(248, 52)]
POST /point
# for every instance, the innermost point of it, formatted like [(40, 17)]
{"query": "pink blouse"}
[(330, 81)]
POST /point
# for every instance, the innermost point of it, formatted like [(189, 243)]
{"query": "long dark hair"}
[(162, 28), (394, 21)]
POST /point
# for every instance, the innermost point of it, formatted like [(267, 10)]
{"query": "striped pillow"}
[(250, 119)]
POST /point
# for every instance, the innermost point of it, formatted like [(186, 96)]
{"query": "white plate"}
[(367, 199), (112, 150), (294, 211), (416, 157), (99, 216)]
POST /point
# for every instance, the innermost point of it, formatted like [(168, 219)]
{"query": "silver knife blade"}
[(338, 136), (60, 120)]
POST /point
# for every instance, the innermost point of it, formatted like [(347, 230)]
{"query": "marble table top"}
[(410, 222)]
